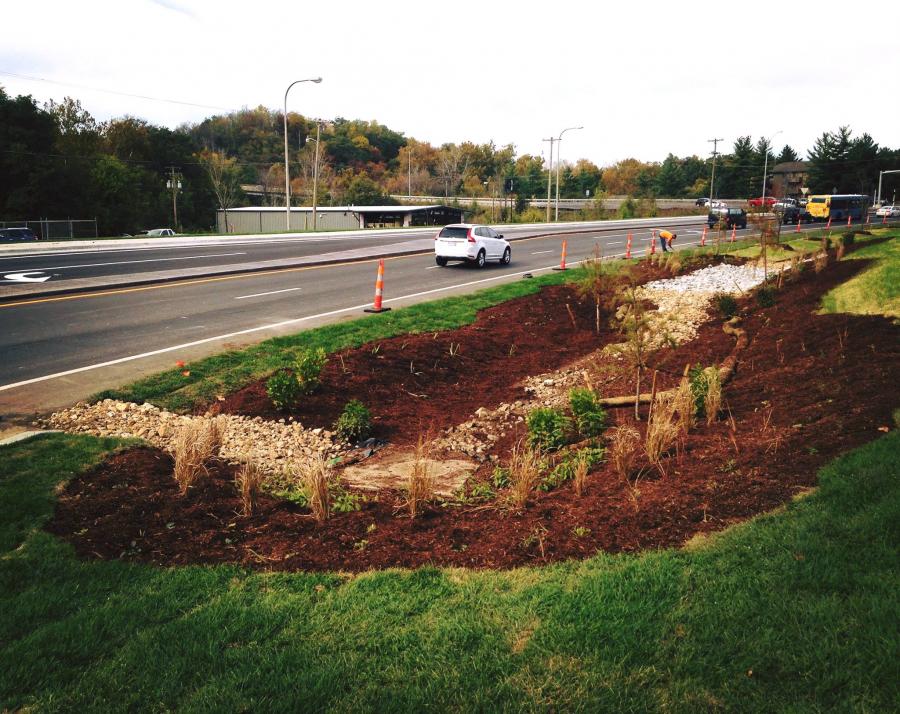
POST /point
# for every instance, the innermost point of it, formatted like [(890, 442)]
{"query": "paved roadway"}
[(58, 349)]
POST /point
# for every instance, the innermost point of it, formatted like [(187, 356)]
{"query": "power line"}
[(111, 91)]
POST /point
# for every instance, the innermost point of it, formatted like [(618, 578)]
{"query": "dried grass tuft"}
[(712, 400), (524, 473), (197, 442), (249, 480), (662, 429), (624, 444), (579, 479), (683, 404), (420, 485), (820, 262), (313, 474)]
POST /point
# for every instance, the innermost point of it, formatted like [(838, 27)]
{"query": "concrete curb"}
[(25, 435)]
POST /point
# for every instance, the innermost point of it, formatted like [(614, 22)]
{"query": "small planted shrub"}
[(547, 429), (355, 422), (848, 238), (574, 467), (308, 369), (283, 389), (589, 416), (726, 305), (765, 296)]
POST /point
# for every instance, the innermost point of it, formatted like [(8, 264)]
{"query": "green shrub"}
[(500, 477), (355, 422), (628, 208), (590, 417), (765, 296), (726, 305), (283, 389), (848, 238), (565, 469), (308, 368), (548, 429)]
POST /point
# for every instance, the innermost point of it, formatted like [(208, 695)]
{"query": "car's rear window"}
[(453, 232)]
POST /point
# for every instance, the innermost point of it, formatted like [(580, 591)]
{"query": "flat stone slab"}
[(392, 472)]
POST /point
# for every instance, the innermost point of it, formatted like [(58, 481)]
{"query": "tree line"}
[(57, 161)]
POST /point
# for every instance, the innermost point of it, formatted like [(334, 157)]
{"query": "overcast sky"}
[(643, 78)]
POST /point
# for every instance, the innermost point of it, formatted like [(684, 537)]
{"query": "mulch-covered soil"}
[(807, 388)]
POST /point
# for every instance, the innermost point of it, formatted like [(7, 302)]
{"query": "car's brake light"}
[(471, 235)]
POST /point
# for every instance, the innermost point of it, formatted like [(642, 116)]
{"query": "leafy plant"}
[(726, 305), (568, 468), (344, 501), (547, 428), (355, 422), (482, 492), (308, 368), (500, 477), (589, 416), (283, 389), (765, 296), (581, 531)]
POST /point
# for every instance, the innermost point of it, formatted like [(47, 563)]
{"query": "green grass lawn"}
[(794, 611), (875, 291)]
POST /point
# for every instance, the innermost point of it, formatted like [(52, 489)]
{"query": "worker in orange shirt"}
[(665, 240)]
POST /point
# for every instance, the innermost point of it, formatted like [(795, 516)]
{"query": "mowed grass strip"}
[(229, 371), (793, 611), (875, 291)]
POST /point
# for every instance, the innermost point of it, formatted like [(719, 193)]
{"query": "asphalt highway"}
[(59, 349)]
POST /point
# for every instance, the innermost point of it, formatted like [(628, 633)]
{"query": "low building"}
[(263, 219), (790, 179)]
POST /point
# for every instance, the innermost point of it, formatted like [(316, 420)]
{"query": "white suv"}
[(472, 243)]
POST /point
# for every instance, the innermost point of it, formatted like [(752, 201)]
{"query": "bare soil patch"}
[(807, 388)]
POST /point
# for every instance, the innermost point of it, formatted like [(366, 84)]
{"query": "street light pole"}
[(766, 167), (315, 196), (558, 141), (880, 174), (287, 178), (549, 175)]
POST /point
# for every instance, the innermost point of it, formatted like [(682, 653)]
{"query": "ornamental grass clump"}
[(624, 446), (524, 470), (662, 429), (249, 480), (313, 475), (420, 484), (196, 444), (684, 404)]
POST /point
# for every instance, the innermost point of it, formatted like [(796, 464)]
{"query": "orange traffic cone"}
[(798, 224), (562, 258), (828, 225), (733, 231), (703, 237), (379, 290), (653, 243), (848, 221), (628, 248)]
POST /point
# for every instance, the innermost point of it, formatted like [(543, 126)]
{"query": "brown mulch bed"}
[(807, 388), (412, 384)]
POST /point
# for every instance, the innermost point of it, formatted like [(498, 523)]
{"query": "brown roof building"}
[(790, 179)]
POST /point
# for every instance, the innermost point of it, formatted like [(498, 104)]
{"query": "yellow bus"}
[(838, 206)]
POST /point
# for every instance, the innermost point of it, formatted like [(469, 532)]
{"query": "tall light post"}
[(287, 178), (558, 141), (766, 167), (549, 175), (315, 196), (880, 174)]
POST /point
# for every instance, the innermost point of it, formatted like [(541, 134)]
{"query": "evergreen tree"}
[(787, 154)]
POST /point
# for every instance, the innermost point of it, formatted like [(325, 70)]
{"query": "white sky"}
[(644, 78)]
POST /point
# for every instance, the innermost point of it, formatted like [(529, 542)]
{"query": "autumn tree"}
[(223, 176)]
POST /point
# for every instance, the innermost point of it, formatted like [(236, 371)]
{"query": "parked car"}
[(718, 204), (15, 235), (471, 243), (701, 201), (785, 202), (758, 202), (160, 232), (793, 214), (889, 211), (729, 216)]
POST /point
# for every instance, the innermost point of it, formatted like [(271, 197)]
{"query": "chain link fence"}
[(68, 229)]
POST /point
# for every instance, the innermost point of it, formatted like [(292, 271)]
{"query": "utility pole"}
[(315, 196), (712, 180), (174, 185), (549, 174), (409, 172)]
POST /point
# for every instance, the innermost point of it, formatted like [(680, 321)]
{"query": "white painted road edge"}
[(273, 326)]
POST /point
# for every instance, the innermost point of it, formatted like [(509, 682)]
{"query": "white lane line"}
[(250, 330), (433, 267), (271, 292), (538, 252), (615, 243), (129, 262)]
